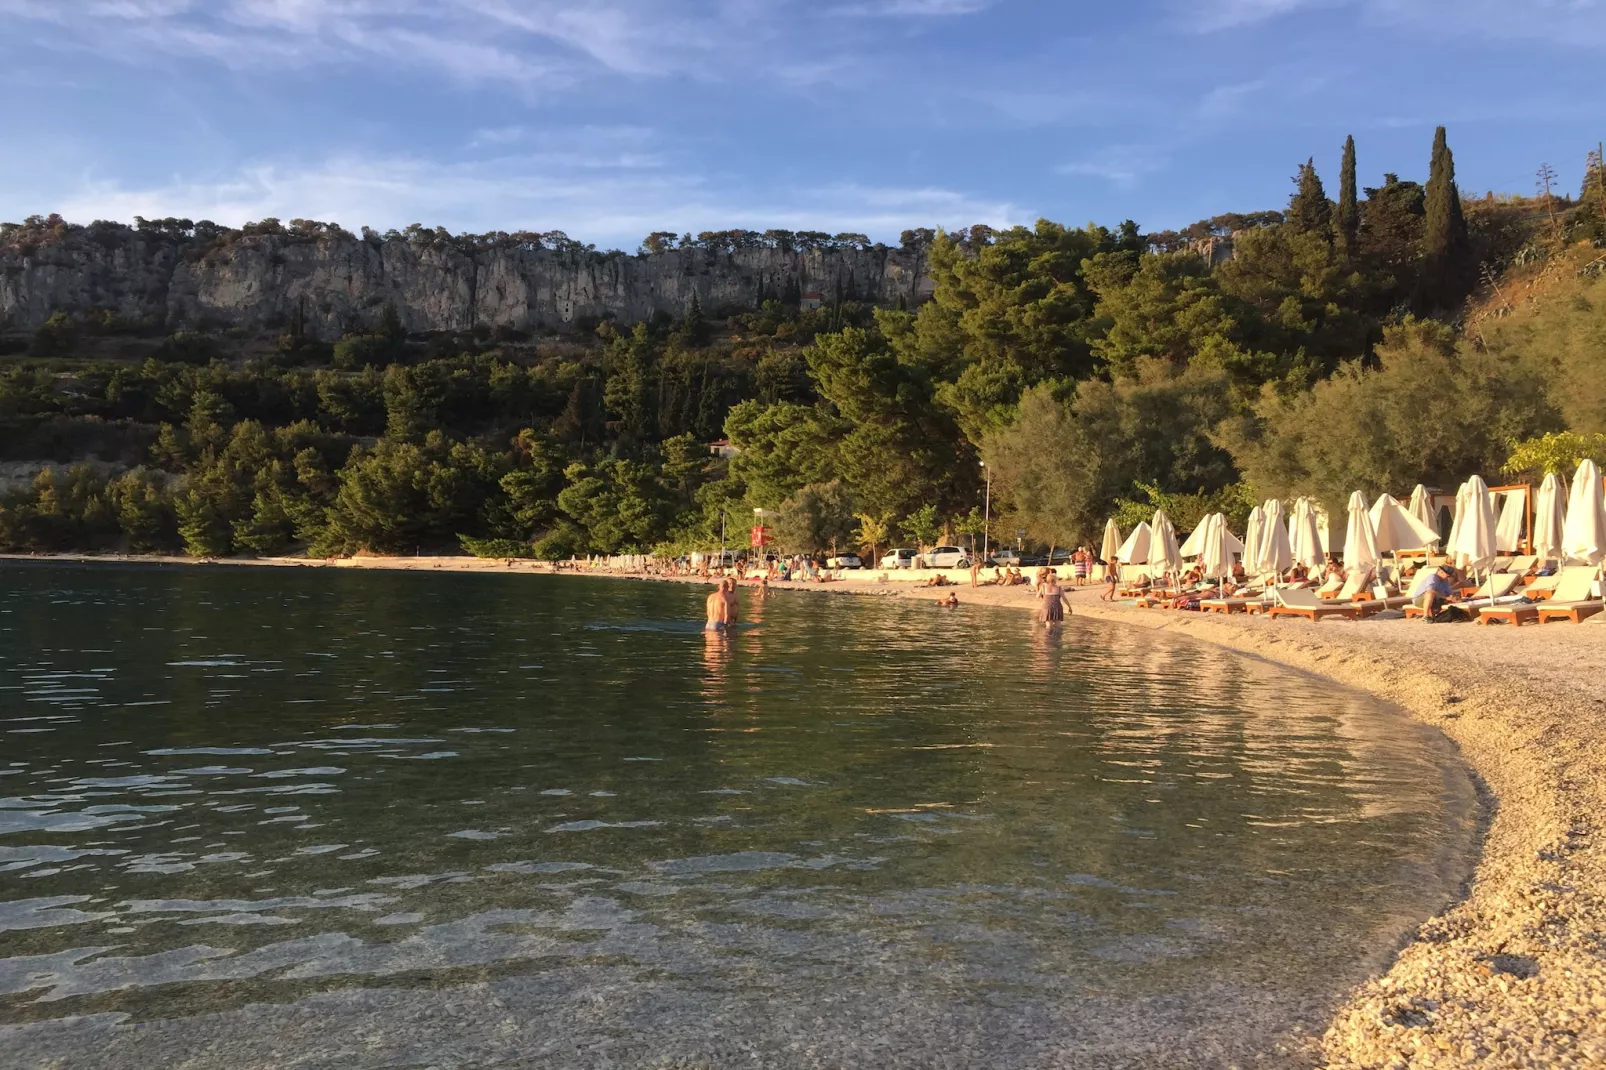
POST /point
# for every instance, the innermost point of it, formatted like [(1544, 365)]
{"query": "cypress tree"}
[(1448, 271), (1347, 222), (1309, 211)]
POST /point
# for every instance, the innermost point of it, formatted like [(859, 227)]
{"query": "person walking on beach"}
[(975, 571)]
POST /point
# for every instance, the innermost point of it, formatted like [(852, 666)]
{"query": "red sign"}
[(761, 535)]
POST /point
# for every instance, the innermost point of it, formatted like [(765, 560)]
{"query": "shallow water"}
[(320, 818)]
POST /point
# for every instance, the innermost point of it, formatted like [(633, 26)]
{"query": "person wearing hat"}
[(1434, 589)]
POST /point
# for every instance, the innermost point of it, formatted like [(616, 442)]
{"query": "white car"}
[(948, 557), (899, 559), (844, 561)]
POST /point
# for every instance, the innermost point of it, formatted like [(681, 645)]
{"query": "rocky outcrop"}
[(332, 283)]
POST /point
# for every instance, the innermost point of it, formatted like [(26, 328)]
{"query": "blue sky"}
[(613, 118)]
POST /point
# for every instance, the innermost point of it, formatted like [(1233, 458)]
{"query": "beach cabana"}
[(1549, 520), (1513, 522), (1583, 536)]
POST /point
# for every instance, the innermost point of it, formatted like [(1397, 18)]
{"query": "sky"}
[(610, 119)]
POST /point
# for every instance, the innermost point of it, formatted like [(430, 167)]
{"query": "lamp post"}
[(987, 509)]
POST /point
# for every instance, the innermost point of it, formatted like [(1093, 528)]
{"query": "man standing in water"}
[(721, 607), (718, 610)]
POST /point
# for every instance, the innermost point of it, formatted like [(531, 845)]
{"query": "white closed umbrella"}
[(1112, 542), (1304, 535), (1397, 528), (1360, 539), (1216, 547), (1583, 537), (1474, 546), (1135, 550), (1163, 548), (1276, 553), (1455, 522), (1190, 545), (1513, 522), (1549, 520), (1253, 533), (1421, 507)]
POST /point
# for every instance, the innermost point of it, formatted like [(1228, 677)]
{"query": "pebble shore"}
[(1513, 975)]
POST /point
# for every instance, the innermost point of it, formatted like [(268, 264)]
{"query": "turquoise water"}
[(323, 818)]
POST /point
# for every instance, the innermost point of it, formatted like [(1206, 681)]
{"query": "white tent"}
[(1163, 549), (1216, 547), (1513, 522), (1276, 553), (1304, 537), (1583, 538), (1135, 550), (1472, 546), (1396, 528), (1549, 520), (1360, 539), (1421, 507), (1112, 542), (1253, 535)]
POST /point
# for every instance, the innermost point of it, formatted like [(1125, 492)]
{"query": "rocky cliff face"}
[(337, 283)]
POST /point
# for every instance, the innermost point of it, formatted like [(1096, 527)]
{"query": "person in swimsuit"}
[(718, 610), (732, 606), (1053, 602)]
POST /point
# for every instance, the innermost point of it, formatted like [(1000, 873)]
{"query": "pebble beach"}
[(1514, 973)]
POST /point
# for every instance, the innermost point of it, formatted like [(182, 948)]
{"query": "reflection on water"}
[(353, 819)]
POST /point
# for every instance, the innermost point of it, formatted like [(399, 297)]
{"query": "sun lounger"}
[(1521, 566), (1570, 600), (1574, 598), (1229, 606), (1543, 586), (1304, 603)]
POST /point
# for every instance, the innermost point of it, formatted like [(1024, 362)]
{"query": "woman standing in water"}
[(1053, 597)]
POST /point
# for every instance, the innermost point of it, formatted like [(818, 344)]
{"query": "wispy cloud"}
[(1122, 165), (914, 8), (1576, 22)]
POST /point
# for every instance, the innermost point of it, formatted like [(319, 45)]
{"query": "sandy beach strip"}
[(1514, 975)]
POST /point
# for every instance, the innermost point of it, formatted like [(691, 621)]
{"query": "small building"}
[(811, 300), (723, 448)]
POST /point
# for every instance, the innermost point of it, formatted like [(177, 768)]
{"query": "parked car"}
[(1060, 557), (947, 557), (1005, 559), (844, 561), (904, 558)]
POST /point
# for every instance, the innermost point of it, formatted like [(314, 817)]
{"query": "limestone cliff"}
[(332, 281)]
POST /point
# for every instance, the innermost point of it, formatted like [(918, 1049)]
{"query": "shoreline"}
[(1514, 973)]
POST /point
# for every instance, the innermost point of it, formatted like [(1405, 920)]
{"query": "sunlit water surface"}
[(321, 818)]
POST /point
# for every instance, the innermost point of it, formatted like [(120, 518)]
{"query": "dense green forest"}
[(1391, 335)]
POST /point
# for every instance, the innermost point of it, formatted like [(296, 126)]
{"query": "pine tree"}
[(1448, 269), (1347, 222), (1309, 211)]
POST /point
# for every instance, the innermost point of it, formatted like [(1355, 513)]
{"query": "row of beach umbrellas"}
[(1576, 532)]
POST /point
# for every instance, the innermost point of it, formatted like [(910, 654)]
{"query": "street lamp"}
[(987, 509)]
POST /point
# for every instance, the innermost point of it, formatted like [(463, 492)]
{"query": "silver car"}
[(948, 557)]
